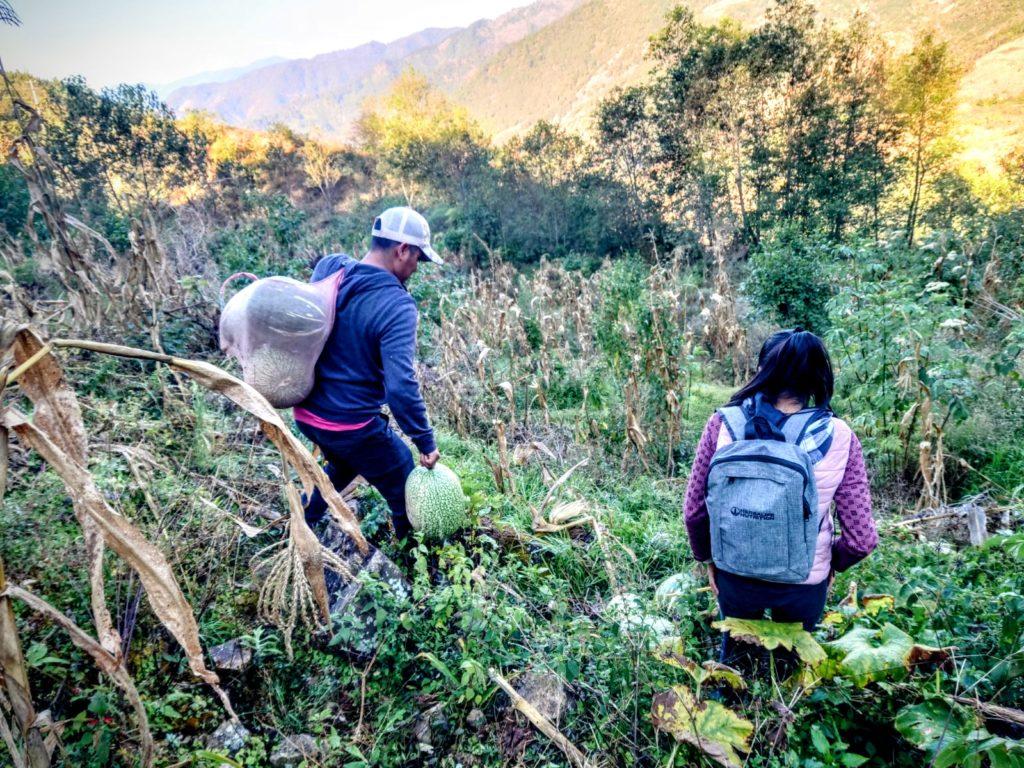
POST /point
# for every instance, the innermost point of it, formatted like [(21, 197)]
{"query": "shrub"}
[(789, 283)]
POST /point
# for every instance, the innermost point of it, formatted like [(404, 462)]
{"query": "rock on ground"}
[(231, 655), (545, 691), (292, 750), (348, 600), (229, 737), (476, 719), (429, 726)]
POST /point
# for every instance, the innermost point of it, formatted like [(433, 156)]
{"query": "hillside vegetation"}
[(164, 603)]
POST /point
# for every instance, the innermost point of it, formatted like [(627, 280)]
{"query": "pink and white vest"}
[(828, 474)]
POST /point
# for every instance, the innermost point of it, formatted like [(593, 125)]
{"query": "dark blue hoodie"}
[(368, 358)]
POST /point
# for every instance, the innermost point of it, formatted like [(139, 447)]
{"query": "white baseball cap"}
[(404, 225)]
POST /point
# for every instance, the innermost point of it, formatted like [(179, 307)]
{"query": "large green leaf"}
[(932, 723), (873, 654), (949, 735), (773, 634), (714, 729)]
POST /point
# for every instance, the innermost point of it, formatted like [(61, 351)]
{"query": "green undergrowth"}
[(493, 597)]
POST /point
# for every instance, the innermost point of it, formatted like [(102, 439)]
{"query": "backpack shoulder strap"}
[(796, 426), (735, 421)]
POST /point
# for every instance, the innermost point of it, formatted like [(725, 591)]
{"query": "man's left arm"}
[(398, 353)]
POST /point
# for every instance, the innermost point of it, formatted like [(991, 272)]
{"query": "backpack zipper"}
[(770, 460)]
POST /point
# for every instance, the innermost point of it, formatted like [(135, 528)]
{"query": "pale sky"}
[(157, 41)]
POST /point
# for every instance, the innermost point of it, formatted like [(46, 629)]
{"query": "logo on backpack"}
[(751, 514)]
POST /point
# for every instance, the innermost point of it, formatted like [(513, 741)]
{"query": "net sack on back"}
[(276, 328)]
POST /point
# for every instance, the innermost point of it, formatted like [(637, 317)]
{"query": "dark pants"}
[(740, 597), (376, 453)]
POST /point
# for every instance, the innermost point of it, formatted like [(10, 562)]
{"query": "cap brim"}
[(429, 254)]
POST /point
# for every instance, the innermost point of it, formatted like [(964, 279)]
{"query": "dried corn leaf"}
[(105, 661), (146, 560), (306, 545), (558, 483), (4, 448), (8, 738), (570, 510), (57, 413), (56, 406), (244, 396)]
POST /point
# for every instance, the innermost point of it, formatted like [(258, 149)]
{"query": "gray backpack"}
[(763, 501)]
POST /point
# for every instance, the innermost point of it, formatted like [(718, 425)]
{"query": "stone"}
[(229, 737), (428, 725), (476, 719), (977, 524), (545, 691), (231, 655), (421, 732), (292, 750), (349, 602)]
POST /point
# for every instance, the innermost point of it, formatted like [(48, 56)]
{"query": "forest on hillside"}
[(602, 295)]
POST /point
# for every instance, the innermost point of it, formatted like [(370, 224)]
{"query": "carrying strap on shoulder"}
[(735, 420), (796, 426)]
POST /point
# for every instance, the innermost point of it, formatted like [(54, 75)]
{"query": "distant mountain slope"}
[(163, 90), (283, 92), (991, 113), (562, 71), (325, 94)]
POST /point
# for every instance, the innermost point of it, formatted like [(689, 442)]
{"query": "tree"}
[(322, 168), (122, 145), (696, 154), (8, 14), (627, 141), (421, 141), (783, 125), (924, 90)]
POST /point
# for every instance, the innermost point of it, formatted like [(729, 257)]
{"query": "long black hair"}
[(795, 364)]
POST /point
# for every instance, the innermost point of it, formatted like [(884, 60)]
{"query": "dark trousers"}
[(740, 597), (376, 453)]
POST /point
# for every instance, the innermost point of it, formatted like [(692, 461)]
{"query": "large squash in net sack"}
[(276, 328), (435, 502)]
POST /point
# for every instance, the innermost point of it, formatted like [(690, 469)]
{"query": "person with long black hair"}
[(770, 550)]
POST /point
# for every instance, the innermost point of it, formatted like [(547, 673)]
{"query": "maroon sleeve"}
[(858, 535), (695, 508)]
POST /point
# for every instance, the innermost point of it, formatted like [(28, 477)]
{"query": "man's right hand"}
[(428, 460)]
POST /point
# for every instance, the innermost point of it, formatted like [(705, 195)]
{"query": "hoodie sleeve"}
[(397, 352)]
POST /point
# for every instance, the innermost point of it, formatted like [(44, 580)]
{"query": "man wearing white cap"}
[(368, 361)]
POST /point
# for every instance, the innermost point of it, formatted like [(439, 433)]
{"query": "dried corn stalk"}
[(298, 580), (244, 396), (14, 674), (148, 562), (109, 664)]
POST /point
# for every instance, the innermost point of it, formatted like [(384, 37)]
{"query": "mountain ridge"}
[(556, 59), (325, 100)]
